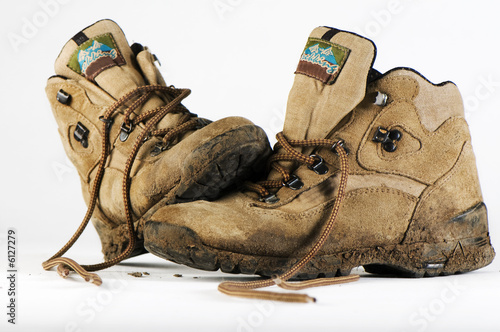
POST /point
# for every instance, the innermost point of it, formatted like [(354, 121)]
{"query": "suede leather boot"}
[(373, 170), (134, 145)]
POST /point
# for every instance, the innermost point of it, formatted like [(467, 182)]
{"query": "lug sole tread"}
[(401, 260)]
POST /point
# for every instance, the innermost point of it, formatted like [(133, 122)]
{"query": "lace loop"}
[(315, 162)]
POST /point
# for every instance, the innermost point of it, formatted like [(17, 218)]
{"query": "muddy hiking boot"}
[(373, 170), (134, 145)]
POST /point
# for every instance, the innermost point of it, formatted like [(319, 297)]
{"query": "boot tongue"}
[(330, 81), (101, 54)]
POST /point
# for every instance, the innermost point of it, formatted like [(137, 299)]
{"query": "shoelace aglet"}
[(93, 279), (63, 271)]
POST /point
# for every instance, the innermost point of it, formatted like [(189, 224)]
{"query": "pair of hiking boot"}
[(373, 170)]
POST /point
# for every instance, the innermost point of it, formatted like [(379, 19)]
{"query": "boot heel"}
[(469, 249), (430, 260), (115, 240), (458, 256)]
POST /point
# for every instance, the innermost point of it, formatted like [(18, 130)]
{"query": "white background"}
[(238, 57)]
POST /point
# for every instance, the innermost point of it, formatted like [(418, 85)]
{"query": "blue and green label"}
[(95, 55), (322, 60)]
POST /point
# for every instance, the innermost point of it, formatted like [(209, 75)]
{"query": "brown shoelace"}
[(185, 123), (248, 289)]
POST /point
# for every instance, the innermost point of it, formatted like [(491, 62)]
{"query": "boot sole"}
[(238, 159), (414, 260), (243, 152)]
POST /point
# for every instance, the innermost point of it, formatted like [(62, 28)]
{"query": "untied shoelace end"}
[(66, 265)]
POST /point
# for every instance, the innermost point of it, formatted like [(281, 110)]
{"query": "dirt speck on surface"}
[(135, 274), (145, 273), (177, 275)]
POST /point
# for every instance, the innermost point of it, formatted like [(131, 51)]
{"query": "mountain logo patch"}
[(322, 60), (95, 55)]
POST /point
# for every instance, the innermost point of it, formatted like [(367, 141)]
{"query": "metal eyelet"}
[(81, 134), (380, 99), (319, 167), (159, 148), (63, 97), (387, 138), (270, 199), (155, 59), (108, 122), (340, 143), (125, 131), (294, 183)]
